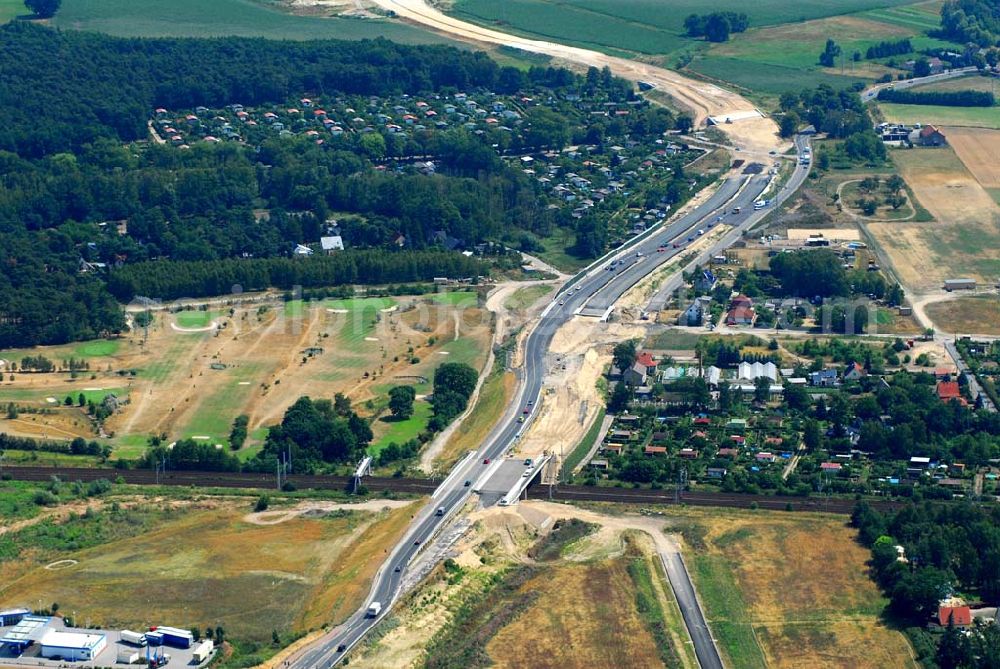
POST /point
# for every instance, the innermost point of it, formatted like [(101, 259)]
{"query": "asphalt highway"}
[(591, 289)]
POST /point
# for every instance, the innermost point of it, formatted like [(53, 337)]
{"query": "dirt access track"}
[(755, 135)]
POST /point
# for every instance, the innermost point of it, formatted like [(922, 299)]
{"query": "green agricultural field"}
[(643, 26), (572, 23), (11, 9), (976, 117), (244, 18), (920, 17), (764, 78)]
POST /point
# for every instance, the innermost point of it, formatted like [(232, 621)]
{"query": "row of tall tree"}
[(967, 98)]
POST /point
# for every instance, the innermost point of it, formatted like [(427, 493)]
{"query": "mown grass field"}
[(244, 18), (771, 606), (388, 430), (972, 83), (195, 319), (219, 570), (975, 117)]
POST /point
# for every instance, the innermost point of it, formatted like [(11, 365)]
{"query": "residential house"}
[(716, 472), (831, 467), (765, 456), (928, 135), (635, 375), (825, 378), (705, 281), (854, 372), (302, 251), (959, 616), (688, 454), (655, 450), (741, 311), (331, 244), (728, 452), (948, 391)]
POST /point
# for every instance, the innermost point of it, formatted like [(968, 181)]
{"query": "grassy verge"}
[(525, 297), (728, 616), (580, 451), (494, 396), (647, 602)]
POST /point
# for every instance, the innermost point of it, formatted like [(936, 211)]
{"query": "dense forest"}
[(90, 210), (976, 21), (65, 89), (840, 113)]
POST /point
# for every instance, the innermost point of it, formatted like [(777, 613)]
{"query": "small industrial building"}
[(959, 284), (27, 631), (12, 616), (72, 646)]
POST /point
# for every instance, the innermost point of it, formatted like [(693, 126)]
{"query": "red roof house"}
[(948, 390), (646, 360), (959, 616)]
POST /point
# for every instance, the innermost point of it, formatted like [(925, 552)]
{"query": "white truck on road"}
[(374, 609)]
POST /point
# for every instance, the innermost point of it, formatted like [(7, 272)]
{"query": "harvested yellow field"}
[(791, 591), (979, 150), (961, 242), (584, 617)]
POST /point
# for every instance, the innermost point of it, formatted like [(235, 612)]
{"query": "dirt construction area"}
[(961, 242), (573, 608), (570, 400)]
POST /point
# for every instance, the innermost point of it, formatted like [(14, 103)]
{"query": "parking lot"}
[(179, 657)]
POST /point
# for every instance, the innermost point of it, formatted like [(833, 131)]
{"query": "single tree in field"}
[(830, 54), (717, 28), (43, 9), (401, 401), (895, 183)]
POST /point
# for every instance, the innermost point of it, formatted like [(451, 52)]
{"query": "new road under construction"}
[(592, 292)]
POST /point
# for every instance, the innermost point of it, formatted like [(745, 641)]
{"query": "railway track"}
[(731, 500), (216, 479), (568, 493)]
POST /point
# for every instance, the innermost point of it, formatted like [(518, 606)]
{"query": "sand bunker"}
[(208, 328)]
